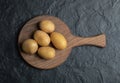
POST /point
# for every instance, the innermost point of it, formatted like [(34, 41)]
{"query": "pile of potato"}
[(42, 39)]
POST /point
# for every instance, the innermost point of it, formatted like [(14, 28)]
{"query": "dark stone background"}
[(86, 64)]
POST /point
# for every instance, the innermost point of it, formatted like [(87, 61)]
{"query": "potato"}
[(42, 38), (46, 52), (58, 40), (30, 46), (47, 26)]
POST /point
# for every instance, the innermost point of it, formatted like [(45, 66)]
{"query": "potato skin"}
[(30, 46), (46, 52), (42, 38), (47, 26), (58, 40)]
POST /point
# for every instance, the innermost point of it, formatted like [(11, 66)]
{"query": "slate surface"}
[(86, 64)]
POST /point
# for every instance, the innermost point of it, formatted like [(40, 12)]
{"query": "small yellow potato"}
[(42, 38), (58, 40), (46, 52), (30, 46), (47, 26)]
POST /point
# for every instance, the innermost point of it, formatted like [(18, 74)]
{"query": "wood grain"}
[(61, 55)]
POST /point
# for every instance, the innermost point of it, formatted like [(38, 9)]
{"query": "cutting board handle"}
[(99, 40)]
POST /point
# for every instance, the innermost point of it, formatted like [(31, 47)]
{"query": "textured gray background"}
[(86, 64)]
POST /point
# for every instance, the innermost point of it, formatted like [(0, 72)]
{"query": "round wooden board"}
[(27, 32)]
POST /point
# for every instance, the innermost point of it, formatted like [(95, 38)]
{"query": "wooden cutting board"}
[(61, 55)]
